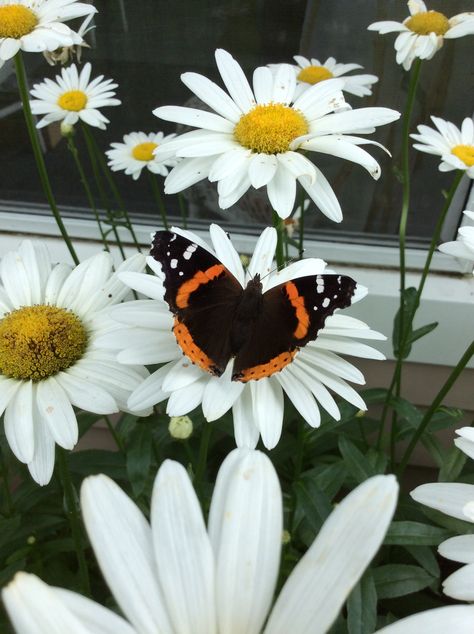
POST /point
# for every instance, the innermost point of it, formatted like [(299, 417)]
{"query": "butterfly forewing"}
[(202, 294), (292, 314)]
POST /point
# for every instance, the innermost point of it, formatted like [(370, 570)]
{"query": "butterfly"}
[(216, 319)]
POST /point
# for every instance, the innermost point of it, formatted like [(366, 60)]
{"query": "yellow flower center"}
[(465, 153), (314, 74), (270, 129), (16, 20), (74, 100), (39, 341), (428, 22), (144, 151)]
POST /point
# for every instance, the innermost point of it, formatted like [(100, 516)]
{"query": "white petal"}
[(268, 408), (122, 542), (263, 254), (284, 84), (84, 280), (245, 430), (300, 396), (183, 401), (263, 84), (42, 466), (143, 283), (226, 253), (234, 80), (210, 93), (262, 168), (194, 117), (459, 548), (150, 391), (457, 619), (281, 191), (245, 524), (338, 146), (322, 194), (220, 394), (447, 497), (86, 395), (188, 172), (57, 412), (8, 388), (19, 422), (308, 266), (356, 120), (460, 585), (317, 588), (183, 553), (55, 281)]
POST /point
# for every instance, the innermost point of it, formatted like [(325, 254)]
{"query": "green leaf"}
[(328, 479), (425, 557), (398, 580), (314, 504), (445, 417), (362, 607), (139, 457), (453, 463), (409, 299), (357, 464), (92, 461), (415, 534), (421, 332)]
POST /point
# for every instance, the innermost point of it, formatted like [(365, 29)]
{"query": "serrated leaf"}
[(362, 607), (398, 580), (415, 534), (357, 464), (139, 457)]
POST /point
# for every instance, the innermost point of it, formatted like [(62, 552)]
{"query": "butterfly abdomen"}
[(246, 314)]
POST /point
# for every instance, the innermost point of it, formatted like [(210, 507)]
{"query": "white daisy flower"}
[(38, 25), (137, 152), (259, 137), (312, 71), (455, 146), (423, 32), (72, 97), (463, 246), (174, 577), (147, 338), (457, 500), (65, 54), (50, 318)]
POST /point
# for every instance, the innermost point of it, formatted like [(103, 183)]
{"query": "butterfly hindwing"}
[(202, 294), (292, 314)]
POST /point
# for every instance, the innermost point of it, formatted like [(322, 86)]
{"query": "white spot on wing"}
[(174, 263), (326, 302)]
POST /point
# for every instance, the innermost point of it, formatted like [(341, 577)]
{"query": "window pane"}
[(146, 45)]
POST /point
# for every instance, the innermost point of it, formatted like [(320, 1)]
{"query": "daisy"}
[(463, 246), (259, 137), (174, 577), (136, 152), (72, 97), (147, 338), (65, 54), (423, 32), (312, 71), (455, 146), (50, 318), (457, 500), (38, 25)]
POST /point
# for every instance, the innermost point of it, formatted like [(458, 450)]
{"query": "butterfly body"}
[(216, 319)]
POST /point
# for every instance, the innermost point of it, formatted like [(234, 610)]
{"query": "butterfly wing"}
[(202, 294), (293, 313)]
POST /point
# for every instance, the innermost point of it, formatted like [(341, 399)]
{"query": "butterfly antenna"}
[(278, 268)]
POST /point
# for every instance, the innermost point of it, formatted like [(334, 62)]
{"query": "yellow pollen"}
[(428, 22), (144, 151), (16, 20), (314, 74), (74, 100), (465, 153), (39, 341), (270, 129)]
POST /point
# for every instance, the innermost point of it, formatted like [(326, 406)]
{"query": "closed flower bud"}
[(180, 427)]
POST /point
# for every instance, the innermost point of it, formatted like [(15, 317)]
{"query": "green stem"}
[(72, 514), (434, 406), (90, 198), (40, 164), (113, 187), (115, 436), (279, 253), (301, 225), (184, 211), (98, 182), (203, 451), (158, 198)]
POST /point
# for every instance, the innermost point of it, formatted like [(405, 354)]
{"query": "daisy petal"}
[(457, 619), (57, 412), (19, 422), (235, 80)]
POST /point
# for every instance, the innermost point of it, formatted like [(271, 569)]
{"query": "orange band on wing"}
[(297, 301), (191, 350), (266, 369), (201, 277)]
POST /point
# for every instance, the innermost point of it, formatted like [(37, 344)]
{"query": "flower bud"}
[(180, 427), (67, 129)]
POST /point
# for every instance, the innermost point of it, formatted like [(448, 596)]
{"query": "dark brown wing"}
[(292, 314), (203, 295)]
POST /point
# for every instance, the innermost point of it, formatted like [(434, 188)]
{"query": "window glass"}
[(146, 45)]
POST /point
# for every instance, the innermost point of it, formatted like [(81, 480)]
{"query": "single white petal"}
[(263, 84), (317, 588), (86, 395), (245, 524), (122, 541), (210, 93), (144, 283), (300, 396), (447, 497), (281, 191), (56, 279), (245, 430), (188, 172), (8, 388), (453, 618), (57, 412), (183, 553), (19, 422), (322, 194), (338, 146), (226, 252), (268, 407), (302, 268), (460, 584), (183, 401), (262, 168), (234, 80), (150, 392), (284, 84), (459, 548), (264, 252), (42, 466), (194, 117), (220, 394)]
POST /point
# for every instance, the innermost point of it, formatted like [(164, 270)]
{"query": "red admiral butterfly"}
[(216, 319)]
